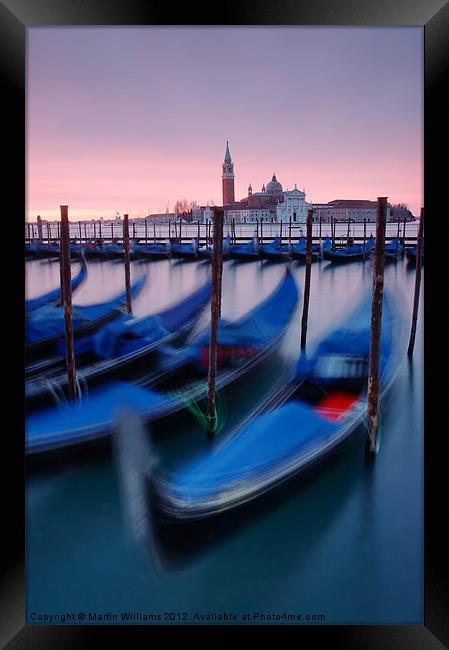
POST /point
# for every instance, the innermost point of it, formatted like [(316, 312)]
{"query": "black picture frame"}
[(15, 17)]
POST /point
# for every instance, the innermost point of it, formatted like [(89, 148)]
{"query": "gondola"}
[(246, 252), (412, 252), (246, 349), (31, 249), (309, 419), (127, 348), (206, 251), (77, 250), (106, 251), (95, 249), (393, 250), (40, 249), (275, 251), (227, 247), (114, 250), (298, 251), (151, 251), (54, 296), (184, 251), (348, 253), (45, 327)]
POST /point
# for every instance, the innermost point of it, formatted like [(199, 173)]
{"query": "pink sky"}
[(132, 119)]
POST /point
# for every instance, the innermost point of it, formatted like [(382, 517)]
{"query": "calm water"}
[(345, 542)]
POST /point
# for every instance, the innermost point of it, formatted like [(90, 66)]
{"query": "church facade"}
[(272, 204)]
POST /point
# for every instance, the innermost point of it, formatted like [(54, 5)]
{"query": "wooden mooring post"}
[(403, 236), (305, 311), (39, 228), (376, 326), (333, 232), (66, 295), (215, 302), (397, 238), (127, 264), (411, 344)]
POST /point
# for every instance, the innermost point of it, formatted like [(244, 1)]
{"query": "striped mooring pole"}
[(215, 303), (411, 343), (129, 308), (66, 295), (376, 326), (305, 311)]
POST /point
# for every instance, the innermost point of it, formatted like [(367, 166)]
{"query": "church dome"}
[(274, 186)]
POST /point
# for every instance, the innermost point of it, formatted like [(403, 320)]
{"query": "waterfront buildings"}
[(271, 204), (356, 210)]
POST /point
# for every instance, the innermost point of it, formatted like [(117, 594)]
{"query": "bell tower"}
[(228, 178)]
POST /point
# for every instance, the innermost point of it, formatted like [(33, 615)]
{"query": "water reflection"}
[(345, 539), (283, 514)]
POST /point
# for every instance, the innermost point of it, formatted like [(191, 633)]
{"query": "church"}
[(272, 204)]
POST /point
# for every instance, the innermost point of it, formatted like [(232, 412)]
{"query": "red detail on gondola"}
[(227, 354), (332, 406)]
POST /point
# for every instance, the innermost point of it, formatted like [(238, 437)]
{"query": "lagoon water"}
[(345, 542)]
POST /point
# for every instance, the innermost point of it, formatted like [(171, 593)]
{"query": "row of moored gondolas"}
[(156, 366), (248, 251)]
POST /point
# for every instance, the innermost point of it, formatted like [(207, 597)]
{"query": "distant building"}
[(250, 215), (400, 213), (228, 178), (161, 217), (202, 213), (356, 210), (345, 209), (293, 207), (271, 204)]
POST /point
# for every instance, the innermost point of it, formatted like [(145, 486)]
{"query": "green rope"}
[(197, 410)]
